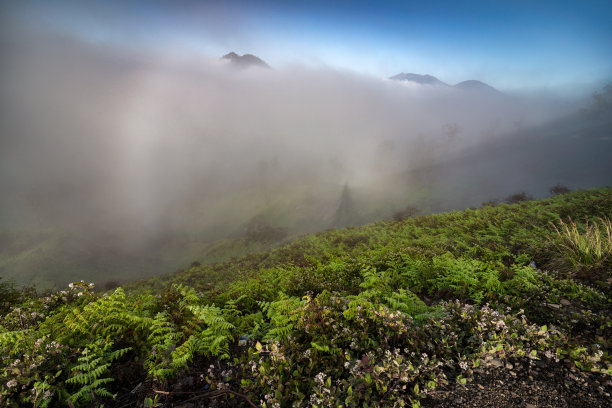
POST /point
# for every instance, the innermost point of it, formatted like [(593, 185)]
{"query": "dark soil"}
[(498, 383), (525, 383)]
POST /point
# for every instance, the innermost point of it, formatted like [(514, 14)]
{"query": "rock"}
[(496, 363), (565, 302), (509, 366), (530, 406), (553, 306)]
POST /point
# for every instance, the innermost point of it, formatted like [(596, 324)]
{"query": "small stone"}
[(565, 302), (509, 366), (481, 386), (530, 406), (496, 363), (512, 373)]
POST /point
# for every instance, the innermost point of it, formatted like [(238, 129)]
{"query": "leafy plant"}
[(90, 372)]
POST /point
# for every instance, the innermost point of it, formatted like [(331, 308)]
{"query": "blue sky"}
[(509, 44)]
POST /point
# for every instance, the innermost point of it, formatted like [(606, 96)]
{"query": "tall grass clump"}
[(586, 250)]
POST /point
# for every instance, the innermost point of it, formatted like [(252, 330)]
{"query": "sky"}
[(512, 45)]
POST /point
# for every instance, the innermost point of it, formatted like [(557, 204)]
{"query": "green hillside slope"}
[(401, 313)]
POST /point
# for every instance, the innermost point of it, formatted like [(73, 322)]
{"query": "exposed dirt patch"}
[(525, 384)]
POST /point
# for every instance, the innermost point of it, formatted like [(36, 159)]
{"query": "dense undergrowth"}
[(378, 315)]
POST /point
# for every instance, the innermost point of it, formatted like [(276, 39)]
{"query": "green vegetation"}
[(377, 315), (591, 249)]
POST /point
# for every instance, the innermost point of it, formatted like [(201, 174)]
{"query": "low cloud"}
[(99, 137)]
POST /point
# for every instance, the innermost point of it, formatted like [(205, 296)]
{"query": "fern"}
[(90, 372), (10, 339), (212, 337), (110, 315), (407, 302), (162, 339), (282, 315)]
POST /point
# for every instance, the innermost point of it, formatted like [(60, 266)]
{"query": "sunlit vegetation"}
[(378, 315), (588, 249)]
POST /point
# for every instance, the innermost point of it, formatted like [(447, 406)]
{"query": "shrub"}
[(490, 203), (408, 212), (518, 197), (559, 189), (9, 296)]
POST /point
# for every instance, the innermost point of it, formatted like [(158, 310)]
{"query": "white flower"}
[(11, 383)]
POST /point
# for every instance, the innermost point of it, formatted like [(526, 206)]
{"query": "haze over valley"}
[(120, 161)]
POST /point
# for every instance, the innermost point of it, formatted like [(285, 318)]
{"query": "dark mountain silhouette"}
[(419, 79), (246, 60), (471, 85)]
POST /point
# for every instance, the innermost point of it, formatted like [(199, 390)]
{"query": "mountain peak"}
[(474, 85), (418, 78), (244, 61)]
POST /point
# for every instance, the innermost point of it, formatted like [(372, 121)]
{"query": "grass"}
[(589, 247)]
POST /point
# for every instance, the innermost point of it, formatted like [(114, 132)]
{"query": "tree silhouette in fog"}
[(601, 104), (345, 214)]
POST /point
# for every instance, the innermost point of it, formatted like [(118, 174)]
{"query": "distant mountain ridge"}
[(244, 61), (474, 85), (419, 79), (469, 85)]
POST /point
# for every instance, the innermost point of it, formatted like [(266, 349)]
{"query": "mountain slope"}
[(419, 308), (573, 151), (473, 85)]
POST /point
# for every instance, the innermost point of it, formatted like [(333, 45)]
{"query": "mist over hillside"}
[(142, 159), (272, 203)]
